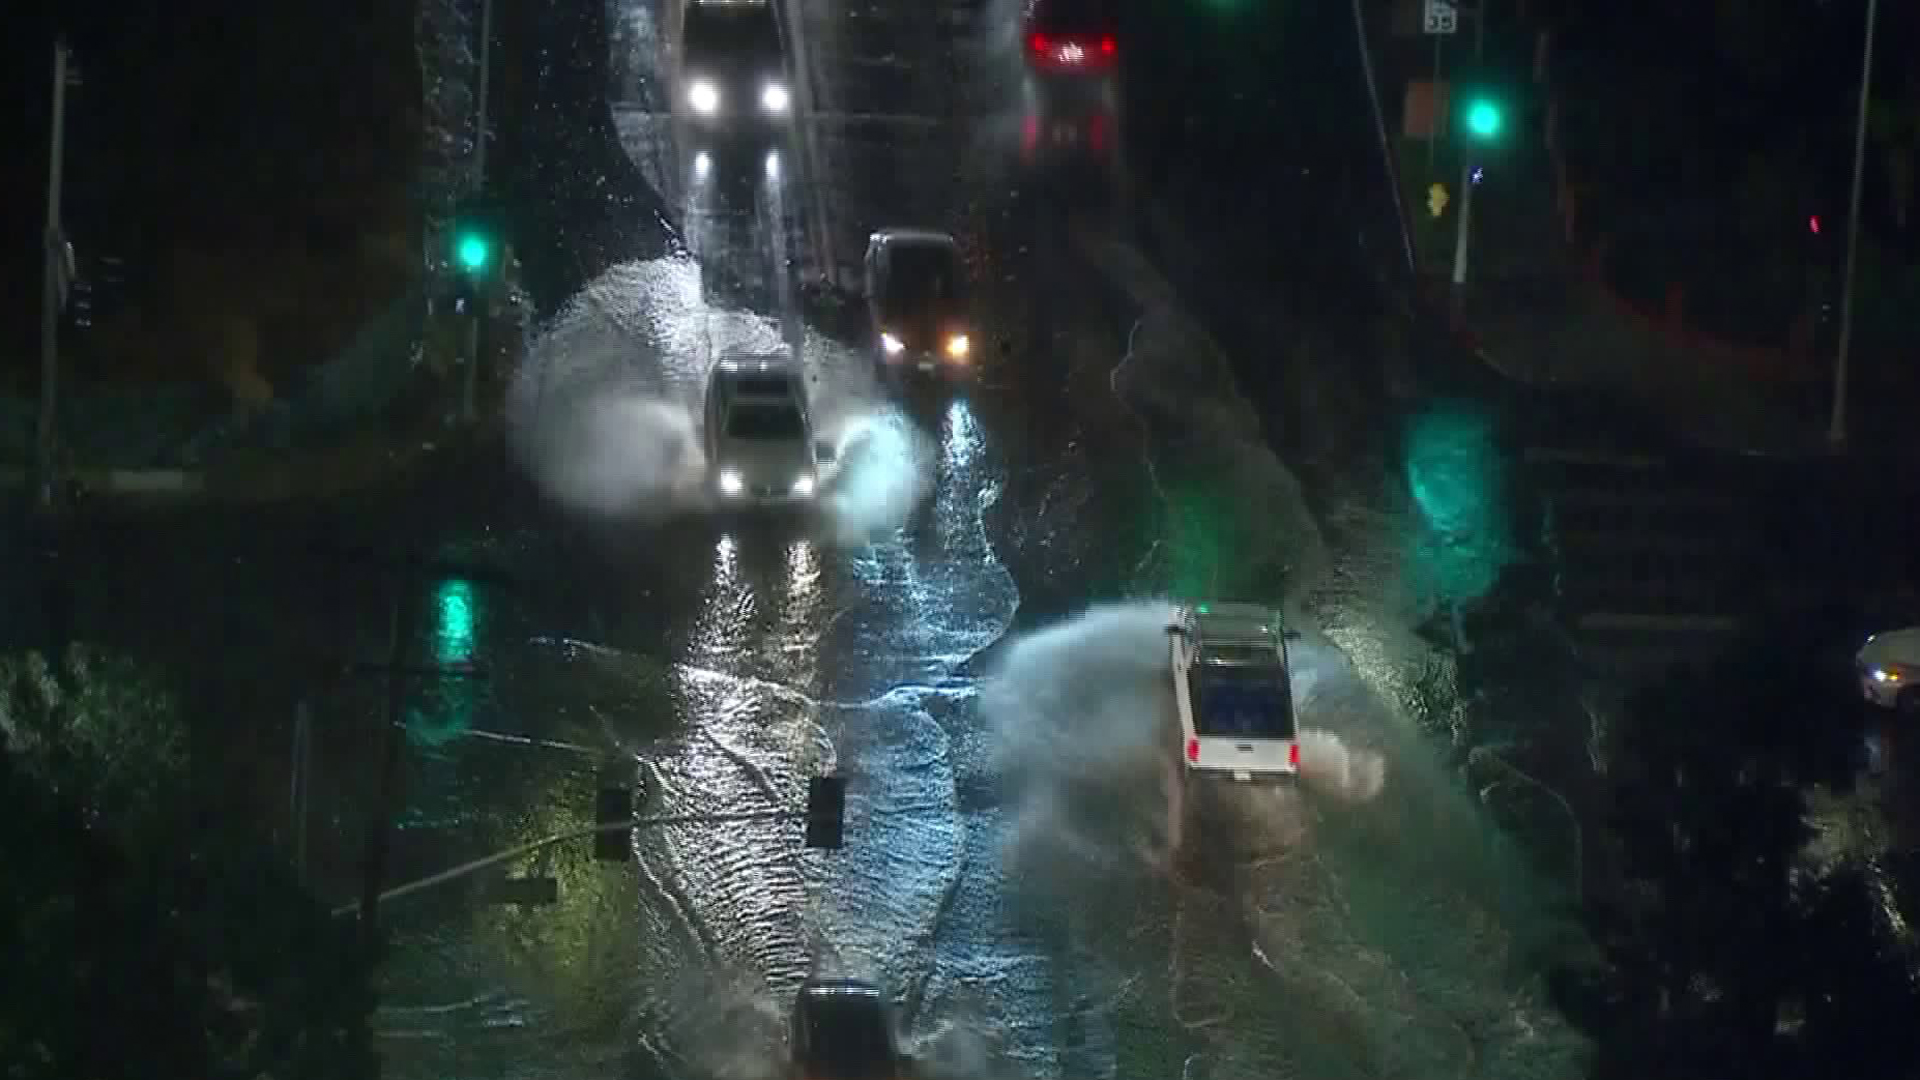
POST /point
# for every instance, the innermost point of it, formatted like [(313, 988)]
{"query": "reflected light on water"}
[(800, 613), (960, 439), (453, 630), (803, 571)]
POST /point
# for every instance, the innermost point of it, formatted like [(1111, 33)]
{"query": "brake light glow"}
[(1073, 51), (1193, 749), (1293, 756)]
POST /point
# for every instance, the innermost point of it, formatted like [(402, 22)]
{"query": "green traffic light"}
[(474, 252), (1483, 119)]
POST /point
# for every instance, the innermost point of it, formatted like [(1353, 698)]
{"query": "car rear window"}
[(847, 1040), (761, 386), (769, 422), (1246, 703), (1071, 16)]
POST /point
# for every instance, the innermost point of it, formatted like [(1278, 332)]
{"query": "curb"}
[(362, 464)]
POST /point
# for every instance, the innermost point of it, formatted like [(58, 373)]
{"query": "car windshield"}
[(729, 29), (766, 422), (923, 274), (1242, 702)]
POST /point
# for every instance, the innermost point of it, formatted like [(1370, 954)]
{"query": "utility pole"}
[(1463, 226), (54, 285), (1837, 423), (824, 816)]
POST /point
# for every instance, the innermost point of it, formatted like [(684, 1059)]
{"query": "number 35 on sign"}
[(1441, 17)]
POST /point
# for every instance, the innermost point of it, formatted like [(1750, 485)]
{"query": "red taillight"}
[(1108, 46), (1037, 44), (1193, 749), (1293, 756)]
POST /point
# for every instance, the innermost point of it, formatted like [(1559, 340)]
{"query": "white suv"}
[(1234, 690), (761, 445)]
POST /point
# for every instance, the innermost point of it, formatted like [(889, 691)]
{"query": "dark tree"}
[(185, 949), (1725, 953)]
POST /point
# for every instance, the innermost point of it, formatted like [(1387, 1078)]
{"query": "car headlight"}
[(730, 482), (802, 486), (893, 345), (958, 346), (775, 99), (704, 97)]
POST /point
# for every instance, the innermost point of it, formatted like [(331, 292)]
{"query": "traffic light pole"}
[(1464, 224), (522, 850), (469, 390)]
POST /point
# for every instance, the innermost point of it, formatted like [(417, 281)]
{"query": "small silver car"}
[(1889, 669), (761, 446)]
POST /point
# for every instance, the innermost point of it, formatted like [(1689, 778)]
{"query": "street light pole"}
[(1463, 224), (53, 285), (1837, 423)]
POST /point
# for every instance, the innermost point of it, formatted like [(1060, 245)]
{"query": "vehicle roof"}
[(1079, 13), (1217, 627), (917, 237), (1897, 646), (736, 364), (830, 985)]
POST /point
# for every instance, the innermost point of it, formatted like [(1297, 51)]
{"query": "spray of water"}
[(885, 472), (1088, 740), (599, 413), (604, 411), (722, 1025)]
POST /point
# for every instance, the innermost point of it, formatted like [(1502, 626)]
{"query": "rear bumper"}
[(1225, 774)]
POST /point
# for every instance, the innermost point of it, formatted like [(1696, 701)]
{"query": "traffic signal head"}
[(477, 235), (473, 250), (1484, 118)]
